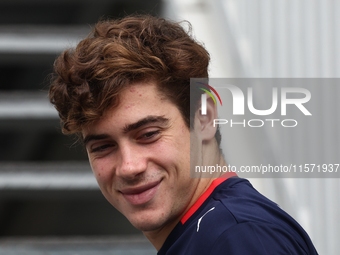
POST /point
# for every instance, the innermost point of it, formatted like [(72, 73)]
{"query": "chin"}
[(148, 222), (148, 225)]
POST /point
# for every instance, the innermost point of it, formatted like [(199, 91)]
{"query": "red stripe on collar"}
[(206, 194)]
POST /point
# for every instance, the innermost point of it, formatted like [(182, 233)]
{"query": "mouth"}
[(141, 194)]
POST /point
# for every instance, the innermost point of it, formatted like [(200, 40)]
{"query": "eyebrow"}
[(89, 138), (130, 127), (145, 121)]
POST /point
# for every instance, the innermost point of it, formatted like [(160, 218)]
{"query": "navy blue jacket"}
[(231, 217)]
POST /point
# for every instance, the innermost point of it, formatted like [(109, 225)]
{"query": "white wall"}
[(281, 39)]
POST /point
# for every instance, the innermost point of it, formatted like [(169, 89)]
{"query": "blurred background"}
[(49, 200)]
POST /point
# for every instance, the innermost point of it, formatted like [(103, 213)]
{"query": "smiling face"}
[(140, 155)]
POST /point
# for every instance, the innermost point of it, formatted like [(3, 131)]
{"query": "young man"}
[(125, 90)]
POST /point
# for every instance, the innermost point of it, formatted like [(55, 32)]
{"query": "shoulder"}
[(236, 219), (258, 238), (245, 203), (260, 223)]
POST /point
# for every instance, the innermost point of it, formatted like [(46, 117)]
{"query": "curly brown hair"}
[(117, 53)]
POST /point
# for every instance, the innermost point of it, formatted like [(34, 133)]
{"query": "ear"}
[(206, 122)]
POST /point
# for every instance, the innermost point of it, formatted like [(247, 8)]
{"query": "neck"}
[(158, 237)]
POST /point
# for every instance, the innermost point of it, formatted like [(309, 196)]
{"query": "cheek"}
[(101, 170)]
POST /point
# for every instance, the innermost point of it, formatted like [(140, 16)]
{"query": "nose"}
[(132, 162)]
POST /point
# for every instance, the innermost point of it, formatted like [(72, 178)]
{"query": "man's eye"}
[(149, 136), (101, 148)]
